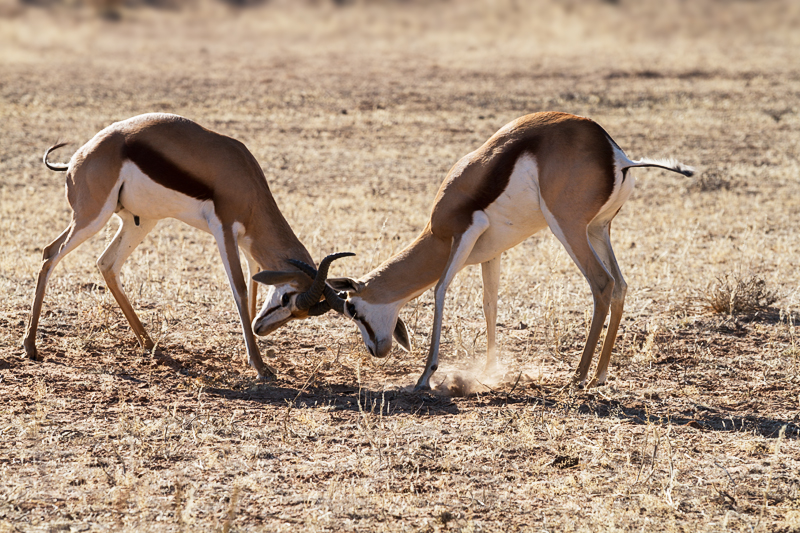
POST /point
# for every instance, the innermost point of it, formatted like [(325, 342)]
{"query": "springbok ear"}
[(270, 277), (346, 284), (401, 335)]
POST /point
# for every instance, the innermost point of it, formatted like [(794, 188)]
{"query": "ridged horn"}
[(271, 277), (319, 308), (313, 294), (333, 300)]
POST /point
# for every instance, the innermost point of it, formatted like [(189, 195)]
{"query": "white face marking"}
[(380, 319), (147, 199), (274, 313)]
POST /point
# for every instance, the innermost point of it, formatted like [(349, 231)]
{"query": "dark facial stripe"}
[(164, 172), (370, 333), (271, 309)]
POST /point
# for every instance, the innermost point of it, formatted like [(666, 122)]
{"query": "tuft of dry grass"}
[(737, 294)]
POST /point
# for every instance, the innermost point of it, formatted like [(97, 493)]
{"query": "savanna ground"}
[(355, 114)]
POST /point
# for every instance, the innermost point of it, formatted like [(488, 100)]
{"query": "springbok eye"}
[(285, 299), (351, 310)]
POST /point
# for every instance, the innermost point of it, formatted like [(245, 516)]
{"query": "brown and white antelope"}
[(158, 166), (544, 169)]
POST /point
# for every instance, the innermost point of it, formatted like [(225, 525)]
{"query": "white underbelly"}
[(514, 216), (147, 199)]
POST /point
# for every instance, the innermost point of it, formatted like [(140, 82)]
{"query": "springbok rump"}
[(542, 170), (158, 166)]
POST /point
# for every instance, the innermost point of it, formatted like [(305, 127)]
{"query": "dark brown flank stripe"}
[(164, 172), (499, 176)]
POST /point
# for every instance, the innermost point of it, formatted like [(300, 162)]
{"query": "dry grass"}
[(355, 115), (736, 294)]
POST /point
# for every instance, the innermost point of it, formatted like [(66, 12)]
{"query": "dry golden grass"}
[(356, 114), (736, 294)]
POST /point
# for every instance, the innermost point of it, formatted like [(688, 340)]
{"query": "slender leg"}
[(459, 253), (490, 271), (252, 286), (601, 241), (573, 235), (77, 232), (228, 249), (128, 237)]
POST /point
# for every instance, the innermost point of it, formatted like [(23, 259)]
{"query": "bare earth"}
[(356, 114)]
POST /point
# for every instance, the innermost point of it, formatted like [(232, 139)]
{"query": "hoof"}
[(490, 369), (422, 387), (267, 374), (32, 353), (578, 381)]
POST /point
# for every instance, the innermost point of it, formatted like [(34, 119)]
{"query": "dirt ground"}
[(355, 114)]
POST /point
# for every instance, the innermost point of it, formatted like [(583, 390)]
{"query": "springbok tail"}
[(667, 164), (57, 167)]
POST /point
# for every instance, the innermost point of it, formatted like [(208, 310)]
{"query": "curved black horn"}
[(312, 295), (333, 300), (319, 308), (307, 269)]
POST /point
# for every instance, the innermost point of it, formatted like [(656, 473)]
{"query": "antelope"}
[(157, 166), (542, 170)]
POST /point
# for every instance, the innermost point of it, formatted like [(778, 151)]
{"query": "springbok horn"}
[(270, 277), (333, 300), (312, 295), (319, 308)]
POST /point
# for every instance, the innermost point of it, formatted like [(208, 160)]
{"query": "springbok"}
[(544, 169), (156, 166)]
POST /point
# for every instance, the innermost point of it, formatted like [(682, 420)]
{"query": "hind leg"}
[(70, 238), (574, 236), (128, 237), (600, 238)]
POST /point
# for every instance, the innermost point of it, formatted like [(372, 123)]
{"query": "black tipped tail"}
[(57, 167), (666, 164)]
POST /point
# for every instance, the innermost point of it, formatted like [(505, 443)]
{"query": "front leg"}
[(490, 271), (252, 286), (459, 253), (229, 251)]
